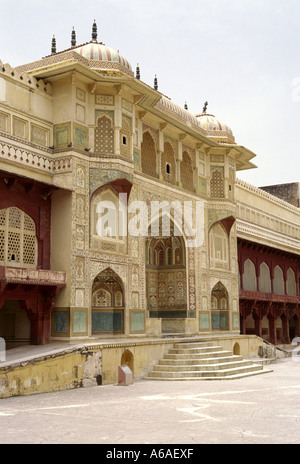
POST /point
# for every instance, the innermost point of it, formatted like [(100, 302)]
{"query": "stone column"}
[(158, 164)]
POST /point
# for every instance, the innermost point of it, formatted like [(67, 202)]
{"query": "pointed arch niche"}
[(18, 242), (108, 303), (104, 133), (219, 247), (108, 216), (148, 154), (166, 279), (219, 307)]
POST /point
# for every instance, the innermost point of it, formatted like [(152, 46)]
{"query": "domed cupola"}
[(215, 129), (98, 51), (98, 55)]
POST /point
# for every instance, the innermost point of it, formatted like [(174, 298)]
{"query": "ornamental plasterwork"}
[(173, 144), (98, 177), (154, 133), (97, 267), (105, 100), (80, 177), (191, 152), (266, 235), (127, 105), (34, 160)]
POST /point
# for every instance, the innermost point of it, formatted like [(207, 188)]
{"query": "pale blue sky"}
[(242, 56)]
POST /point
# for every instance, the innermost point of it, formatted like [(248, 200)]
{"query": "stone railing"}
[(34, 160), (30, 276), (266, 195)]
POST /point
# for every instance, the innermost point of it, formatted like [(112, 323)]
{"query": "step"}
[(227, 377), (204, 349), (194, 345), (204, 355), (208, 373), (203, 361), (201, 367), (197, 361)]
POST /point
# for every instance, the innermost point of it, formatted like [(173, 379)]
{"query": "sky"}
[(241, 56)]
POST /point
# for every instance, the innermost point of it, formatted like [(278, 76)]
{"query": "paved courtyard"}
[(263, 409)]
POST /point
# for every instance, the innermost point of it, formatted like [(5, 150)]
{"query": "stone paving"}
[(263, 409)]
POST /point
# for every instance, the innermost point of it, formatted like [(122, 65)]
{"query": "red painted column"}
[(297, 324), (242, 324), (272, 330), (272, 316), (36, 329), (39, 315), (257, 316), (258, 329), (285, 329)]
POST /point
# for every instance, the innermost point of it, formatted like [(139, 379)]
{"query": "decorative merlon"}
[(24, 78)]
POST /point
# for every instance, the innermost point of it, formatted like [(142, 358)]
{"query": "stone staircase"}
[(203, 361)]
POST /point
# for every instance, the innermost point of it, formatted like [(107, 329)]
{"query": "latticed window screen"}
[(102, 298), (18, 244), (217, 184), (104, 135)]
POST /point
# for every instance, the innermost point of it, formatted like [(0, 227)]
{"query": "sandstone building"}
[(80, 133)]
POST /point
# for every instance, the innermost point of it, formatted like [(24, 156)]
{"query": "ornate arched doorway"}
[(166, 276), (108, 303), (219, 307)]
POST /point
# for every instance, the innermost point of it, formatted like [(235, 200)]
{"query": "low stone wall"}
[(40, 375), (84, 366), (97, 364)]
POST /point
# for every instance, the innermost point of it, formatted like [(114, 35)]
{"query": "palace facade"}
[(121, 214)]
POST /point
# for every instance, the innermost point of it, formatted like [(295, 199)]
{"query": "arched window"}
[(219, 307), (108, 303), (18, 243), (278, 282), (104, 135), (118, 299), (102, 298), (168, 159), (169, 255), (186, 172), (219, 297), (125, 138), (148, 155), (108, 216), (249, 276), (218, 238), (290, 282), (217, 183), (264, 278), (178, 256)]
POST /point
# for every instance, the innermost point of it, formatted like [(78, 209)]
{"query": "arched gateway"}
[(166, 275), (108, 303)]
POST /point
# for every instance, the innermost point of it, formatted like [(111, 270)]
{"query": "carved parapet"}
[(25, 78), (32, 276)]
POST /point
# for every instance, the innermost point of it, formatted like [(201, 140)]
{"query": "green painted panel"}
[(81, 136), (107, 321), (137, 321), (79, 322), (219, 321), (204, 321), (60, 322), (236, 321)]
